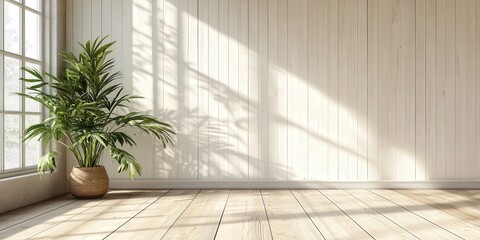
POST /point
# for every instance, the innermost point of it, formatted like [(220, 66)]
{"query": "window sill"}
[(18, 172)]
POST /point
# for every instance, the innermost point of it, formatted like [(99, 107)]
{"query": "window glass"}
[(11, 84), (12, 141), (30, 105), (34, 4), (12, 27), (32, 35), (32, 147)]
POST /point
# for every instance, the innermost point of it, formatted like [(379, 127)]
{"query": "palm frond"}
[(84, 108)]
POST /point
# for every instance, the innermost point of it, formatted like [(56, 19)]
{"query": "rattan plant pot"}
[(87, 183)]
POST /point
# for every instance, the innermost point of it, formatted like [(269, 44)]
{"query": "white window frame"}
[(43, 17)]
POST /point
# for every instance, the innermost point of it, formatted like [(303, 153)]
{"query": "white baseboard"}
[(269, 184)]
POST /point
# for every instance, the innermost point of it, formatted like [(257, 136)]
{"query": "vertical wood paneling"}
[(203, 146), (320, 168), (116, 33), (401, 36), (272, 89), (86, 20), (68, 26), (233, 10), (460, 94), (193, 65), (344, 50), (184, 89), (242, 120), (127, 35), (158, 43), (76, 25), (142, 72), (385, 11), (106, 20), (441, 28), (223, 161), (450, 88), (391, 24), (313, 92), (96, 19), (477, 88), (213, 89), (297, 89), (470, 71), (420, 90), (410, 95), (310, 89), (282, 90), (253, 94), (373, 90), (263, 87), (430, 81), (172, 71), (362, 89), (465, 85), (352, 80), (333, 90)]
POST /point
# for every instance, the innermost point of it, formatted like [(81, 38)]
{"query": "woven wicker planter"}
[(88, 183)]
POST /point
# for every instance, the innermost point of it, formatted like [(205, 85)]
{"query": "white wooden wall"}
[(299, 89)]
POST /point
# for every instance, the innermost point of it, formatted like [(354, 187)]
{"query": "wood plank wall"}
[(299, 89)]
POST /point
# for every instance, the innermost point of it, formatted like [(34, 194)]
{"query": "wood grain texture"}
[(252, 214), (377, 225), (10, 219), (113, 211), (287, 218), (244, 217), (299, 90), (201, 219), (416, 225), (437, 216), (64, 221), (155, 220), (454, 202), (327, 217)]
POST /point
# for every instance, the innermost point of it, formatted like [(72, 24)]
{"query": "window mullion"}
[(22, 57), (22, 84), (1, 24), (2, 156), (2, 76), (2, 139)]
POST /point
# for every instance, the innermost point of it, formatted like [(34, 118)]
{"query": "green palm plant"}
[(84, 111)]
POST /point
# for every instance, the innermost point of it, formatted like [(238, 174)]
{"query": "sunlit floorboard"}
[(252, 214)]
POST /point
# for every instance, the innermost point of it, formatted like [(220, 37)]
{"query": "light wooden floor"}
[(252, 214)]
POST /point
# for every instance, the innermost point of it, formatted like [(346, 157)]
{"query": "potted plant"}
[(85, 115)]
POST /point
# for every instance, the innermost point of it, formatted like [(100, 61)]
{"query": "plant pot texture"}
[(87, 183)]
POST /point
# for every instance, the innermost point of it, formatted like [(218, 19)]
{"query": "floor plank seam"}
[(307, 214), (466, 220), (137, 214), (39, 215), (402, 213), (266, 214), (421, 215), (181, 214), (43, 230), (415, 213), (221, 216), (360, 226), (374, 209), (455, 216)]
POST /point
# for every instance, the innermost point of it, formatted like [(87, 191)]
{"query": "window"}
[(20, 46)]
